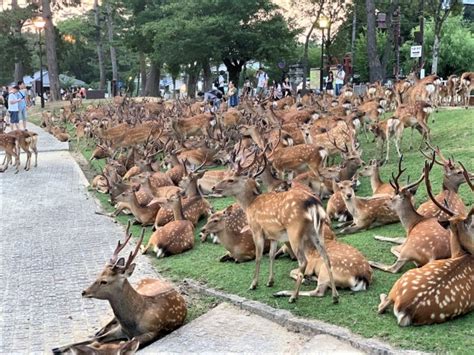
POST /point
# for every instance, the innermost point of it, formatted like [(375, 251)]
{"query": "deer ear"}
[(129, 271), (120, 262)]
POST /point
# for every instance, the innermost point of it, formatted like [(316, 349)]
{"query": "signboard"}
[(415, 51), (314, 76), (468, 2)]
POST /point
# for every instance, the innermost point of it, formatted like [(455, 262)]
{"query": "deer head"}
[(116, 271)]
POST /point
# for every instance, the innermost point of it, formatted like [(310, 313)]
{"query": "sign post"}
[(415, 51)]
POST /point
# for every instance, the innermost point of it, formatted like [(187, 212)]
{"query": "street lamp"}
[(323, 22), (39, 22)]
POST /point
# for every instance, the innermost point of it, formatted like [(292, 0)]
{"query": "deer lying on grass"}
[(143, 215), (336, 207), (144, 314), (176, 236), (295, 216), (441, 289), (366, 212), (426, 239), (229, 226), (452, 179), (350, 267)]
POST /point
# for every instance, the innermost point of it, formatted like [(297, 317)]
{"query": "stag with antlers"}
[(145, 313)]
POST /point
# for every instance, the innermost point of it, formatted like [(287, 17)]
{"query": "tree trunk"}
[(389, 47), (234, 67), (110, 30), (207, 76), (153, 81), (353, 38), (50, 37), (305, 54), (143, 78), (375, 67), (193, 74), (100, 52), (19, 67), (173, 78), (19, 71), (436, 43)]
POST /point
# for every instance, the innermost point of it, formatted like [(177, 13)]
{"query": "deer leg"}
[(259, 246), (273, 249), (107, 327), (226, 257), (319, 243), (396, 250), (384, 303), (300, 275), (399, 240), (389, 268), (353, 228), (28, 159)]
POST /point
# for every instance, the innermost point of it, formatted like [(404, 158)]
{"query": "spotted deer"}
[(9, 145), (27, 141), (336, 207), (115, 348), (426, 240), (229, 226), (350, 267), (152, 309), (377, 185), (176, 236), (441, 289), (143, 215), (366, 212), (295, 216), (465, 86), (415, 116)]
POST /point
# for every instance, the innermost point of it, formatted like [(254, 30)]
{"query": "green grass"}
[(452, 131)]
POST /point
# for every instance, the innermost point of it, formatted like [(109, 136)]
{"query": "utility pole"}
[(396, 19), (422, 30), (353, 39)]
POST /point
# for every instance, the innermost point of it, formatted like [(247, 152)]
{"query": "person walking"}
[(232, 95), (23, 104), (340, 75), (13, 107), (330, 83), (262, 82)]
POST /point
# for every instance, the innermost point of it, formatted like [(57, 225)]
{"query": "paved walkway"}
[(52, 246)]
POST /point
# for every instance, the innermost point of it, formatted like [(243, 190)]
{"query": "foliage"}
[(360, 63), (456, 52)]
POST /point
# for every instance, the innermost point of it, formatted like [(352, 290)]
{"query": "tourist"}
[(286, 87), (13, 107), (232, 95), (83, 93), (247, 90), (262, 82), (330, 83), (23, 104), (340, 75), (213, 97)]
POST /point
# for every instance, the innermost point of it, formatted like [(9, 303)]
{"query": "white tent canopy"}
[(64, 79)]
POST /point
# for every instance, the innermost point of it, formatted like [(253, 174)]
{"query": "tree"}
[(440, 10), (98, 39), (110, 33), (375, 67)]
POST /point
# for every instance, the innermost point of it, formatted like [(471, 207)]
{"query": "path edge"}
[(300, 325)]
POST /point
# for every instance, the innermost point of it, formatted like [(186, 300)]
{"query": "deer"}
[(229, 226), (9, 144), (441, 289), (465, 86), (128, 200), (176, 236), (295, 216), (195, 125), (350, 267), (416, 117), (453, 177), (115, 348), (27, 140), (426, 240), (384, 131), (377, 185), (366, 212), (152, 309)]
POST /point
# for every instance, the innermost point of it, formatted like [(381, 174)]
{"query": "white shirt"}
[(340, 75), (12, 106), (221, 80), (262, 78)]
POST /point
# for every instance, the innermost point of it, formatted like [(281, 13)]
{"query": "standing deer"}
[(145, 313), (295, 216), (9, 145), (426, 239), (438, 291)]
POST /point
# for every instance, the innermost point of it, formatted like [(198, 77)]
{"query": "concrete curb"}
[(300, 325)]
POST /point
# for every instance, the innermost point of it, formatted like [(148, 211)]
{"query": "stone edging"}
[(297, 324)]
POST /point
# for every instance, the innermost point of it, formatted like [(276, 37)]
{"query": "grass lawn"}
[(453, 132)]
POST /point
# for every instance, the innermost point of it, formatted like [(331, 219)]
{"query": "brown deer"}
[(426, 239), (195, 125), (9, 145), (350, 267), (465, 86), (26, 141), (366, 212), (128, 200), (115, 348), (336, 207), (439, 290), (176, 236), (229, 226), (378, 186), (145, 313), (293, 216)]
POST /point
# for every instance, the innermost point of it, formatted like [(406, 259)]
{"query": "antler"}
[(135, 252), (467, 176), (394, 183), (426, 170), (120, 246)]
